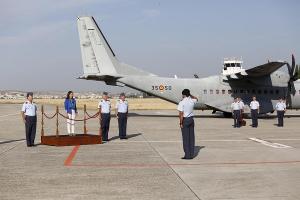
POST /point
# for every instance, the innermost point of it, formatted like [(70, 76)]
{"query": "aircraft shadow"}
[(209, 116), (175, 116)]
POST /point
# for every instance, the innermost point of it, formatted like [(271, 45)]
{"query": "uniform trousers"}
[(188, 137), (30, 127)]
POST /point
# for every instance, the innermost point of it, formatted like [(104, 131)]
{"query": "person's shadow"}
[(10, 141), (128, 136), (197, 150)]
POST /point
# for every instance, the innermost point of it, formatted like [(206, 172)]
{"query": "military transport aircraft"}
[(214, 92)]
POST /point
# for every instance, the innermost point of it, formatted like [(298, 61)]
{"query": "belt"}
[(122, 112), (188, 117)]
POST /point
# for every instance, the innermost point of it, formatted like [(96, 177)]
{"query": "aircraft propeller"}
[(293, 73)]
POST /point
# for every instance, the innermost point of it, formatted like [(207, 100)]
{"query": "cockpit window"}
[(232, 64)]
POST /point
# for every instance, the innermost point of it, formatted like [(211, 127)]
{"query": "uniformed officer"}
[(121, 114), (280, 108), (242, 107), (185, 108), (29, 118), (236, 111), (105, 107), (254, 106)]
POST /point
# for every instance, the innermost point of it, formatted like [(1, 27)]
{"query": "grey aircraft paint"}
[(214, 92)]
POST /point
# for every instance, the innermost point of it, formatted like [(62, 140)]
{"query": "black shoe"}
[(124, 138), (184, 158)]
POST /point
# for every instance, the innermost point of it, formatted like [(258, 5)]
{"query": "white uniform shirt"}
[(242, 105), (254, 105), (280, 106), (122, 106), (186, 106), (29, 108), (105, 106), (235, 106)]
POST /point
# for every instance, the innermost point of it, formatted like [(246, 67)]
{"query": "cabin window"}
[(241, 91), (271, 92), (265, 91), (253, 91), (259, 91), (217, 92), (211, 91), (223, 91), (247, 91), (227, 65), (204, 91), (238, 64), (232, 64), (277, 91), (229, 91), (235, 91)]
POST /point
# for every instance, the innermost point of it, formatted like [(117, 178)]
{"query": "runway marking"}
[(284, 139), (9, 115), (179, 141), (5, 119), (270, 144), (68, 161), (137, 165)]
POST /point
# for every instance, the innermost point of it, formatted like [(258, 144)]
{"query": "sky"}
[(39, 44)]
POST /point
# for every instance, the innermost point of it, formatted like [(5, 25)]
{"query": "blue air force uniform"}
[(122, 112), (280, 107), (29, 109), (236, 108), (254, 106), (188, 135), (105, 117)]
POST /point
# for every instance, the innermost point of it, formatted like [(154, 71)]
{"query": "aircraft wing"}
[(259, 71)]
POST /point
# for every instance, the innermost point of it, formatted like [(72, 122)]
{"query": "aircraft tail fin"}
[(98, 58)]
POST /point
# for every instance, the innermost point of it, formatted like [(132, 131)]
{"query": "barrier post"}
[(42, 130), (57, 111), (84, 120)]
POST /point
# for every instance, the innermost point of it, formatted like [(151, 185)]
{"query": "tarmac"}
[(247, 163)]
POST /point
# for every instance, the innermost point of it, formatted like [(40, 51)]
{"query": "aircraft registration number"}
[(161, 87)]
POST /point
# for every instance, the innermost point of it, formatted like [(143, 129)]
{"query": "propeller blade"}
[(292, 88), (293, 62), (289, 69)]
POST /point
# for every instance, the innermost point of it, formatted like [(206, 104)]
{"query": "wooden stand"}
[(66, 140)]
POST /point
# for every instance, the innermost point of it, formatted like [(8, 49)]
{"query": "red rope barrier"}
[(87, 117)]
